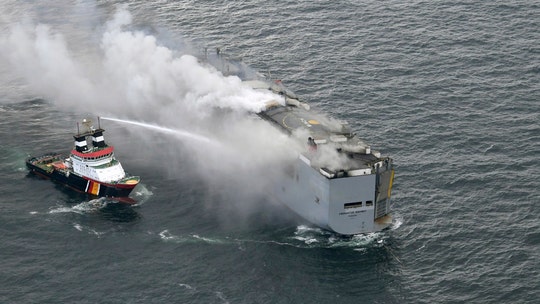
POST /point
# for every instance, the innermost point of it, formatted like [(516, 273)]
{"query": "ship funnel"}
[(80, 143), (97, 138)]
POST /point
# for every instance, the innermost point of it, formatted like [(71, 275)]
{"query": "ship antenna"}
[(78, 132), (98, 123)]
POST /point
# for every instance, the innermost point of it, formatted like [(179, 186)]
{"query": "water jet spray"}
[(179, 133)]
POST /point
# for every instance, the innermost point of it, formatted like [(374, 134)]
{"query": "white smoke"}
[(133, 72), (43, 60)]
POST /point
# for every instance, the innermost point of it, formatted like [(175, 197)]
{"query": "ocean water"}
[(450, 90)]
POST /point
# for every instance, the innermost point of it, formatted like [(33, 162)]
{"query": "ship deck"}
[(323, 130)]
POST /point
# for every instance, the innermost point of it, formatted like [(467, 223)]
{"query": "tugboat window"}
[(369, 203)]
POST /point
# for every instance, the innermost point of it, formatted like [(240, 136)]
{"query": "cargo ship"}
[(338, 182), (91, 167)]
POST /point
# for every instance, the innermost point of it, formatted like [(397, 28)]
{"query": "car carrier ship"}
[(338, 182), (91, 167)]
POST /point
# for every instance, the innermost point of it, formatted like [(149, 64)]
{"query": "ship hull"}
[(79, 183), (346, 205)]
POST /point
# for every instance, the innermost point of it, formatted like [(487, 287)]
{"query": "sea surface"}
[(449, 89)]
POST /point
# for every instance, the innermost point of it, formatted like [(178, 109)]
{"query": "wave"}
[(83, 207), (141, 194), (305, 237)]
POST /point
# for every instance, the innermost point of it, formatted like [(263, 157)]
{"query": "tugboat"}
[(91, 169)]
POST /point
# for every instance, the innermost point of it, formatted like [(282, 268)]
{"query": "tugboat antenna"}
[(78, 132), (98, 123)]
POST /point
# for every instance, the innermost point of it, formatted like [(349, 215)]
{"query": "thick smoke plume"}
[(128, 74), (133, 73)]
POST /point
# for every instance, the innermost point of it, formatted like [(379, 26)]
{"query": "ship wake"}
[(84, 207), (304, 237)]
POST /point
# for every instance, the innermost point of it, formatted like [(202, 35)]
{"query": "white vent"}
[(359, 172), (292, 101), (338, 138), (327, 173)]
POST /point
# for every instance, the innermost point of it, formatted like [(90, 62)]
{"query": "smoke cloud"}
[(133, 72), (128, 74)]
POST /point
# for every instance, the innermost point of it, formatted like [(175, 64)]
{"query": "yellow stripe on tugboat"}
[(95, 188)]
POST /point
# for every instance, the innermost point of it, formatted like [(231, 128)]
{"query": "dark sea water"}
[(449, 89)]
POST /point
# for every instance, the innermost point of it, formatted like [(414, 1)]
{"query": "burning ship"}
[(91, 167), (338, 182)]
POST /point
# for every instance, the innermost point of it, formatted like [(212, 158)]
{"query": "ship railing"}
[(107, 165)]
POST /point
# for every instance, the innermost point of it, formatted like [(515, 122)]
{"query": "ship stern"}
[(360, 204)]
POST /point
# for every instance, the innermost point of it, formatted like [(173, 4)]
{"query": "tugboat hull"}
[(45, 167)]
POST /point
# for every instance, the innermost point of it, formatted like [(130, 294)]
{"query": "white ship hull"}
[(346, 205)]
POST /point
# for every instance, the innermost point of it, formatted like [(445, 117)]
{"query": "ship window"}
[(352, 205), (369, 203)]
